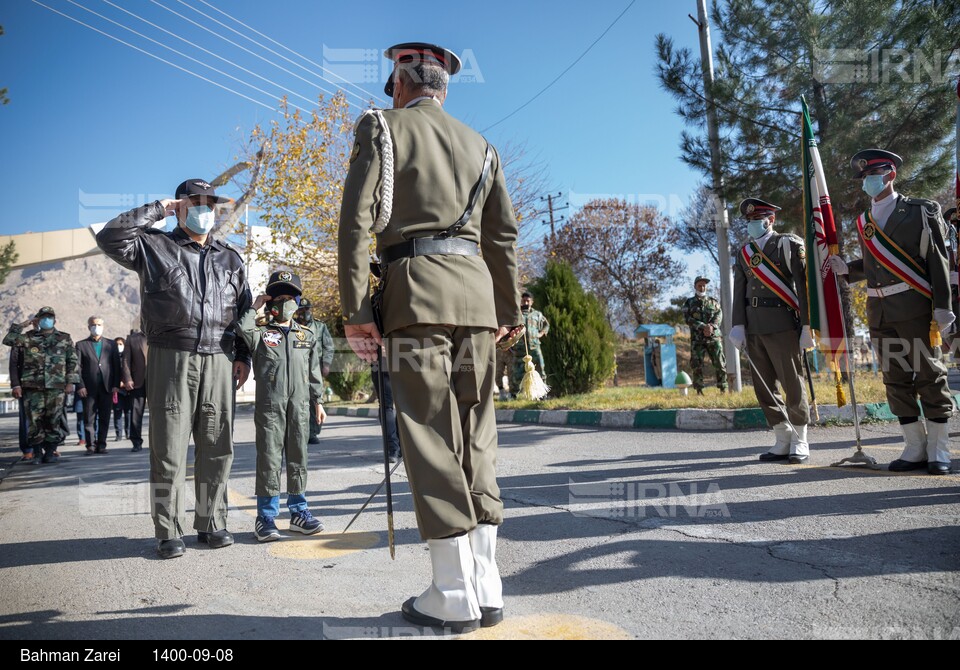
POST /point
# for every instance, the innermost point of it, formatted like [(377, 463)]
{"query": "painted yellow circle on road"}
[(550, 627), (323, 545)]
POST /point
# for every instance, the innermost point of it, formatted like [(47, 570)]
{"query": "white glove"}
[(806, 339), (738, 337), (838, 265), (944, 319)]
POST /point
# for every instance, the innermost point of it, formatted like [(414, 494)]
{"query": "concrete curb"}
[(669, 419)]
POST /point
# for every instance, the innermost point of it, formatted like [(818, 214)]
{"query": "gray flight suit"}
[(287, 369)]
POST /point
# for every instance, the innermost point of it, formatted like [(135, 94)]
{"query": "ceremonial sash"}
[(891, 257), (768, 273)]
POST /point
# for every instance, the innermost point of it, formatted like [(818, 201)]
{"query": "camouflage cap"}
[(701, 279), (46, 311)]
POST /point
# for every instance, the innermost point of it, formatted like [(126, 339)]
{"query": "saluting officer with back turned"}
[(771, 324), (904, 262)]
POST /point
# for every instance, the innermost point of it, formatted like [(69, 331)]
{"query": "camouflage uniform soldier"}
[(537, 326), (49, 371), (703, 314)]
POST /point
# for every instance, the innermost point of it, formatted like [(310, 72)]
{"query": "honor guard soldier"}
[(49, 371), (704, 316), (287, 367), (771, 324), (904, 262), (434, 193)]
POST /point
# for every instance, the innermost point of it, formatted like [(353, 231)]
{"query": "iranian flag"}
[(826, 314)]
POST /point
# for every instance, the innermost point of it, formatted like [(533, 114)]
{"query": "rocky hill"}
[(76, 289)]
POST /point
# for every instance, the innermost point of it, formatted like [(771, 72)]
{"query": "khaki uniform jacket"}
[(746, 287), (905, 227), (437, 162)]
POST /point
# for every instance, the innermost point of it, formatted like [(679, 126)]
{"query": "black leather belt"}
[(428, 246), (767, 302)]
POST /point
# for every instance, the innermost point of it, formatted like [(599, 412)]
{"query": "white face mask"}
[(96, 331), (120, 348), (700, 294), (200, 219)]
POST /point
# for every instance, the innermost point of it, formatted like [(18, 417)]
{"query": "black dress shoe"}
[(417, 618), (217, 539), (938, 468), (906, 466), (768, 457), (171, 548), (490, 616), (798, 460)]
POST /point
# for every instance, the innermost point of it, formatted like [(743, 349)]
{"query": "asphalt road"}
[(652, 534)]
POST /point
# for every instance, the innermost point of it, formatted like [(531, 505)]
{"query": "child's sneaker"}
[(306, 523), (266, 530)]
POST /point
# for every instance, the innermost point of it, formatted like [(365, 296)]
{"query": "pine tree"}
[(579, 351), (876, 73)]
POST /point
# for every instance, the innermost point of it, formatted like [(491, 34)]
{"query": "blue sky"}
[(94, 127)]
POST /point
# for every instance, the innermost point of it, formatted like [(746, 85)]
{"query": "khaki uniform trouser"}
[(443, 390), (776, 357), (912, 369), (189, 394)]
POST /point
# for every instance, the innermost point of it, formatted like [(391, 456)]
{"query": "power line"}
[(179, 53), (283, 46), (225, 60), (250, 39), (176, 13), (569, 67), (162, 60)]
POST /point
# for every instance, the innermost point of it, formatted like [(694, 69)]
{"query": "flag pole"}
[(859, 458)]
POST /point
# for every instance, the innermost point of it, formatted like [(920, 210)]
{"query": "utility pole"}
[(722, 223), (551, 209)]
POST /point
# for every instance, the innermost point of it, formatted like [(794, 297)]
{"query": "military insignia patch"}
[(862, 164), (301, 335), (756, 260), (803, 252), (869, 231), (355, 152), (272, 338), (34, 350), (750, 208), (285, 276)]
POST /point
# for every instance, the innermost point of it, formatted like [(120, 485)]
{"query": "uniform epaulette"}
[(795, 238), (364, 114), (921, 202), (64, 337)]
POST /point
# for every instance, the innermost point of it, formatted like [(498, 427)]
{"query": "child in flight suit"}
[(286, 364)]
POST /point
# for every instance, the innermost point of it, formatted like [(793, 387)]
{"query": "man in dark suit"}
[(99, 379), (134, 380)]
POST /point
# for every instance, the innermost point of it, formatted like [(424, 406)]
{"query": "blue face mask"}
[(200, 219), (46, 323), (873, 184), (757, 229)]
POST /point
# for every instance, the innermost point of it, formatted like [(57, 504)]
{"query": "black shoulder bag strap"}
[(468, 212)]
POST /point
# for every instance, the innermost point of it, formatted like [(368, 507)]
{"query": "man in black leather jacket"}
[(193, 289)]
